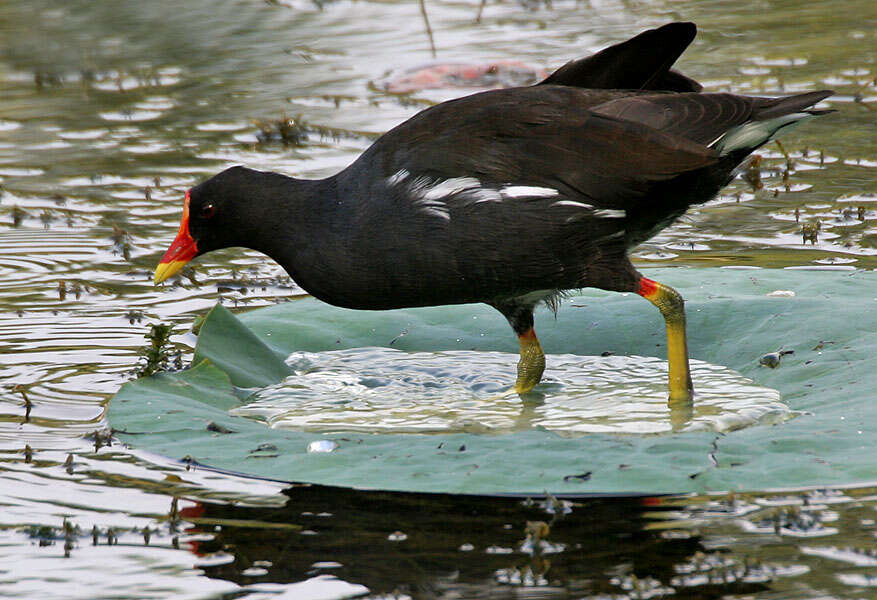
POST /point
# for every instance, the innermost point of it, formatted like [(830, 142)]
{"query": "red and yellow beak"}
[(182, 250)]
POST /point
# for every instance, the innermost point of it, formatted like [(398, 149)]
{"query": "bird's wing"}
[(508, 191), (543, 137), (703, 118), (640, 63)]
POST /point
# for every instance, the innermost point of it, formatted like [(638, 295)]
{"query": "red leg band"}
[(647, 288)]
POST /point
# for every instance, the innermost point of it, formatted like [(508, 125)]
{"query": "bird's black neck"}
[(299, 230)]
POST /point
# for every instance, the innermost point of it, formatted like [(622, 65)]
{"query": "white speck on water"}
[(322, 446)]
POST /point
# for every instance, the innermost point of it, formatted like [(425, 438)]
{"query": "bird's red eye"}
[(208, 210)]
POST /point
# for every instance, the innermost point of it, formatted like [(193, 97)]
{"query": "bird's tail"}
[(769, 118)]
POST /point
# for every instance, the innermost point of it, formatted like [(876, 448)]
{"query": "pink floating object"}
[(497, 74)]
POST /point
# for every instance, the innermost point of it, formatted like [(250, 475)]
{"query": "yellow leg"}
[(672, 307), (532, 363)]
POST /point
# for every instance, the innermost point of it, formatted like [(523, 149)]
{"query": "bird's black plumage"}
[(424, 217), (641, 63), (508, 196)]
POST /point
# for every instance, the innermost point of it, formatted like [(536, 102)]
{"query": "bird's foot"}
[(681, 410), (503, 395)]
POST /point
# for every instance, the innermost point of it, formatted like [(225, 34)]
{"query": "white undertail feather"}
[(755, 133), (527, 191)]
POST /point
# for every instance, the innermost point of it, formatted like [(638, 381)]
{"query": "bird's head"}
[(217, 213)]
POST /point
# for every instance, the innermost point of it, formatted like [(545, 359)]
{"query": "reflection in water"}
[(381, 390), (127, 527), (442, 546)]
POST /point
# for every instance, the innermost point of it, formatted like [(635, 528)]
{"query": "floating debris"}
[(810, 231), (134, 316), (582, 477), (792, 521), (772, 359), (18, 215), (286, 130), (264, 448), (296, 131), (100, 438), (752, 172), (121, 242), (217, 428), (491, 75), (28, 405)]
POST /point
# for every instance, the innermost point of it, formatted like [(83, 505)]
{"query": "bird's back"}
[(513, 191), (545, 187), (505, 192)]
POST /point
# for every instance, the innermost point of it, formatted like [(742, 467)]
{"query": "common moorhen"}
[(507, 197)]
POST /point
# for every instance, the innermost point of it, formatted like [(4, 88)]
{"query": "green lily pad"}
[(735, 316)]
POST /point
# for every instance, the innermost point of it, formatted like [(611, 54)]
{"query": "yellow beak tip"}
[(166, 270)]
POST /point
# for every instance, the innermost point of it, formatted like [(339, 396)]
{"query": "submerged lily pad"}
[(381, 390), (524, 445)]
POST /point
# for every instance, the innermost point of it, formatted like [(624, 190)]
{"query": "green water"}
[(109, 111)]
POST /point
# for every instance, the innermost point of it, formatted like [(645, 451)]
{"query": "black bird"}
[(507, 197)]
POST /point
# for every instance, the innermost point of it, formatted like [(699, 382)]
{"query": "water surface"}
[(109, 111)]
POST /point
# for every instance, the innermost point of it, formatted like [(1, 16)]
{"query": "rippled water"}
[(380, 390), (109, 111)]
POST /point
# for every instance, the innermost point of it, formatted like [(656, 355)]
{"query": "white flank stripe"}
[(397, 177), (430, 195), (479, 195), (449, 187), (572, 204), (419, 186), (435, 208), (468, 190), (608, 213), (527, 191)]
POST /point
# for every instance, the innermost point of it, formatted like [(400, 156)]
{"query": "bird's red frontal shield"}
[(182, 250)]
